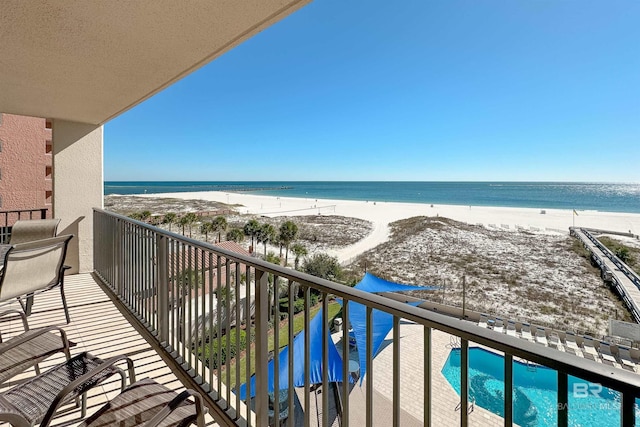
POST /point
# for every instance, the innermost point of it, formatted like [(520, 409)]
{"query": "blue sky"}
[(420, 90)]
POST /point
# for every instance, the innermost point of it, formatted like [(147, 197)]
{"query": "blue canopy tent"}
[(315, 361), (376, 285), (382, 322)]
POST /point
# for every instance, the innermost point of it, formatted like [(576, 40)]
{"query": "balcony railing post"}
[(262, 350), (43, 213), (119, 258), (508, 390), (464, 383), (628, 418), (162, 287), (396, 371), (427, 376), (563, 394)]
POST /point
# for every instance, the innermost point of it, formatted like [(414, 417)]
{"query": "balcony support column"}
[(77, 187)]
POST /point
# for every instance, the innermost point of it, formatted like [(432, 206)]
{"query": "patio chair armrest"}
[(15, 420), (175, 403), (23, 317), (109, 363), (20, 340)]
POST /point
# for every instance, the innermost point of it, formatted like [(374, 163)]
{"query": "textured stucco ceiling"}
[(90, 60)]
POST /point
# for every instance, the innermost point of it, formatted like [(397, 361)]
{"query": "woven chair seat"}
[(33, 398), (138, 404), (17, 359)]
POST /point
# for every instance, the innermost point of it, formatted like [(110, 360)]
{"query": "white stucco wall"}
[(77, 186)]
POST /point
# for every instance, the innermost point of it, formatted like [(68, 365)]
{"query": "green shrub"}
[(314, 299), (212, 348), (324, 266), (298, 306)]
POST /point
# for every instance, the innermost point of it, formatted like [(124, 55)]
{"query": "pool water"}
[(535, 392)]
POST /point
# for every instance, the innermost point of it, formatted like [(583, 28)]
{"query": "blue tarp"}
[(382, 322), (315, 365), (374, 284)]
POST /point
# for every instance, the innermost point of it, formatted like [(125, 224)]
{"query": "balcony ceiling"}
[(89, 61)]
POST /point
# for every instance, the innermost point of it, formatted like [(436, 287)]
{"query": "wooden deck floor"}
[(99, 328)]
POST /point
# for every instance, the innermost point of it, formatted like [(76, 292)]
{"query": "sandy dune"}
[(383, 213)]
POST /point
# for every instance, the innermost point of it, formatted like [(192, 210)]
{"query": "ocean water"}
[(550, 195)]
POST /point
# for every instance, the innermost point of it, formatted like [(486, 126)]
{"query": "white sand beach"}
[(382, 213)]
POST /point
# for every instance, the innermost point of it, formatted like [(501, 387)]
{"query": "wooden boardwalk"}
[(625, 281)]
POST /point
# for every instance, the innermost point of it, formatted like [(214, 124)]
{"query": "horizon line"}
[(431, 181)]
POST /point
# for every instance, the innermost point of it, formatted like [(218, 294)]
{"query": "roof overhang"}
[(89, 61)]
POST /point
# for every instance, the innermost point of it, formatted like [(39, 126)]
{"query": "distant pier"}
[(625, 281)]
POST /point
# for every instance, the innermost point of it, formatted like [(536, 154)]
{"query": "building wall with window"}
[(25, 163)]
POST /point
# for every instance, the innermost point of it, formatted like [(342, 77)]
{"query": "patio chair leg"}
[(26, 305), (29, 305), (64, 303), (83, 409), (123, 381)]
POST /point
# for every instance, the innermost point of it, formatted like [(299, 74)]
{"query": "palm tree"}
[(205, 229), (235, 235), (219, 224), (273, 295), (272, 258), (278, 243), (144, 215), (226, 293), (288, 233), (190, 218), (299, 251), (169, 218), (251, 229), (187, 281), (266, 234), (183, 222)]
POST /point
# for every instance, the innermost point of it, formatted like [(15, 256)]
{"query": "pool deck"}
[(444, 398)]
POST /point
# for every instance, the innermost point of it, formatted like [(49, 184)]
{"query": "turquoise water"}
[(535, 392), (551, 195)]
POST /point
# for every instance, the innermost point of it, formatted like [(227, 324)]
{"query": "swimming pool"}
[(535, 390)]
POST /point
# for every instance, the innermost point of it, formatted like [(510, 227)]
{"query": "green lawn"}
[(298, 325)]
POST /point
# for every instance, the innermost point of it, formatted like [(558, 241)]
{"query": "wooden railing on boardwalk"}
[(625, 281)]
